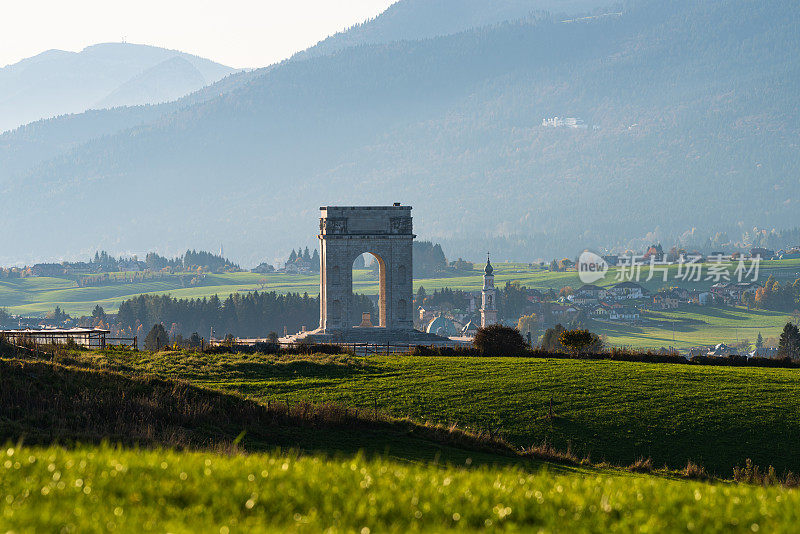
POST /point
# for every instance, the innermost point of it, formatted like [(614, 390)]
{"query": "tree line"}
[(244, 315)]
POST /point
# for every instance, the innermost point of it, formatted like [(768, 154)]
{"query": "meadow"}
[(105, 488), (610, 411), (179, 442), (693, 326)]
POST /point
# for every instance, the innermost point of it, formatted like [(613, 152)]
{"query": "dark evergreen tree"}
[(157, 338), (789, 345), (99, 313), (315, 261)]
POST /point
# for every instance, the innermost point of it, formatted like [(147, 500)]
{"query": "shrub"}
[(499, 340), (642, 465), (438, 350), (576, 340), (625, 355), (694, 471)]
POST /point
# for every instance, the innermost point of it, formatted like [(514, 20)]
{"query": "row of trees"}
[(190, 261), (305, 259), (245, 315)]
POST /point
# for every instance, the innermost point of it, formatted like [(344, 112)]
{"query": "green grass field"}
[(610, 411), (101, 489), (304, 472), (693, 326), (325, 485)]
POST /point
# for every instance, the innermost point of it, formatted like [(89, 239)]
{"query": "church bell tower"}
[(488, 302)]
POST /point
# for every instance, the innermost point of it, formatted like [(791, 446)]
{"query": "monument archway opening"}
[(369, 307)]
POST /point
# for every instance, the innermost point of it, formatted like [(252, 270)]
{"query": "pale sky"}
[(237, 33)]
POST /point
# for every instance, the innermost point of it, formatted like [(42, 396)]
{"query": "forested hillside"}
[(692, 119)]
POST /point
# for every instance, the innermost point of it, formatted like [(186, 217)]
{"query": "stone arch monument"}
[(345, 233)]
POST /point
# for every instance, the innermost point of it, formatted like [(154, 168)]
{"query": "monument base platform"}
[(376, 335)]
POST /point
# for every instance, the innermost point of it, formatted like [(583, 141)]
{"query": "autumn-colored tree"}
[(550, 339), (529, 324)]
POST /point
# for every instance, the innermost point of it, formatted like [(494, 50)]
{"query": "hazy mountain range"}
[(56, 82), (690, 107)]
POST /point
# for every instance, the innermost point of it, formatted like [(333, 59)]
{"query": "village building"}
[(442, 326), (589, 294), (625, 313), (627, 291), (764, 352), (470, 329), (721, 350), (666, 301), (601, 311)]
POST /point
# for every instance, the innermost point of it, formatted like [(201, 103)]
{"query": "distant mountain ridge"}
[(691, 107), (423, 19), (56, 82)]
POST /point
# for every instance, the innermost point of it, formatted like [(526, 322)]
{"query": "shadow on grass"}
[(297, 368)]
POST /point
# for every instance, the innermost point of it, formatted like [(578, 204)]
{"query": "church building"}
[(488, 301)]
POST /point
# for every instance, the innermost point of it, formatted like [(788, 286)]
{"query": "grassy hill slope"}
[(612, 411), (44, 403)]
